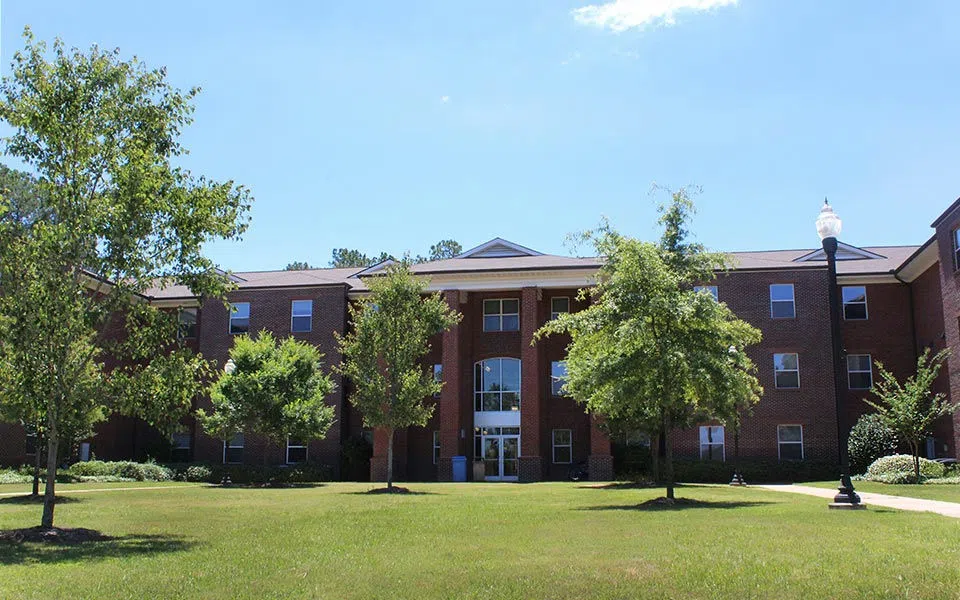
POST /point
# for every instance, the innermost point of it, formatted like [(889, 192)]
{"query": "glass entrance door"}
[(501, 454)]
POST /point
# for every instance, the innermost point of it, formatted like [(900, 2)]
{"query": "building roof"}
[(889, 259)]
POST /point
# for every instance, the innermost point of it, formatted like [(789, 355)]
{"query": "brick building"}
[(501, 401)]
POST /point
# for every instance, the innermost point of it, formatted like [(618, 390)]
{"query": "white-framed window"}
[(562, 446), (187, 328), (708, 288), (955, 238), (859, 371), (233, 449), (437, 375), (30, 446), (790, 442), (180, 446), (239, 317), (296, 451), (496, 384), (436, 447), (558, 306), (711, 442), (786, 370), (854, 302), (502, 314), (782, 305), (301, 316), (558, 376)]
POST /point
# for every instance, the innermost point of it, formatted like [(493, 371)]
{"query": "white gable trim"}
[(497, 248), (374, 269), (844, 252)]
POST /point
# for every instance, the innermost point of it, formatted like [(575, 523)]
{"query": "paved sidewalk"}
[(116, 489), (947, 509)]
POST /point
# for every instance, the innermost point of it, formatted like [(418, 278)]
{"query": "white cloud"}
[(444, 99), (621, 15)]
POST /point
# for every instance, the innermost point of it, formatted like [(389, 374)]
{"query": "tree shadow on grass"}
[(265, 486), (661, 504), (382, 491), (38, 500), (100, 546)]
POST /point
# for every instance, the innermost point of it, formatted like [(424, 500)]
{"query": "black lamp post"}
[(828, 228)]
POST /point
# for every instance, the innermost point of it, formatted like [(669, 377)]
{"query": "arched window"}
[(496, 384)]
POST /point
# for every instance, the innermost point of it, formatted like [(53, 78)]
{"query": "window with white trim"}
[(239, 317), (562, 446), (782, 304), (711, 442), (187, 326), (786, 370), (708, 288), (854, 302), (180, 446), (790, 442), (436, 447), (233, 449), (956, 249), (859, 371), (501, 314), (558, 306), (496, 384), (437, 375), (31, 442), (558, 377), (296, 451), (301, 316)]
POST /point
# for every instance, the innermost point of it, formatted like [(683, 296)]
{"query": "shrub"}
[(869, 440), (889, 468), (754, 470), (14, 477), (198, 473), (124, 470)]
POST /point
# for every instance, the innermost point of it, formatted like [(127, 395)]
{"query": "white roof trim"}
[(498, 248), (844, 252), (374, 269), (918, 264)]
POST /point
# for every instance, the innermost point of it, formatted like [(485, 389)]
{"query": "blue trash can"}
[(459, 468)]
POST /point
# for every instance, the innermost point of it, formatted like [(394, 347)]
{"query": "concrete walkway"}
[(947, 509), (90, 491)]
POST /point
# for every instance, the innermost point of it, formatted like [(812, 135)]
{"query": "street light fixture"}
[(828, 228)]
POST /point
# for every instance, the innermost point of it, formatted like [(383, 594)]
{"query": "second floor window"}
[(188, 323), (956, 249), (501, 315), (854, 302), (558, 306), (786, 371), (782, 305), (240, 317), (859, 371), (496, 384), (301, 316)]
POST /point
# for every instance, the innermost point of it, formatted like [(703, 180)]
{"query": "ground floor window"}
[(233, 449), (436, 447), (562, 446), (296, 451), (711, 442), (790, 442), (31, 445), (180, 446)]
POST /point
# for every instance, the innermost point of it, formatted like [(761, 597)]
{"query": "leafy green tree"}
[(445, 249), (346, 257), (648, 349), (869, 439), (911, 408), (383, 352), (274, 388), (297, 265), (101, 136)]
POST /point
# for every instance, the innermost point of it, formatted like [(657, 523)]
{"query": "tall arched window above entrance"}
[(496, 384)]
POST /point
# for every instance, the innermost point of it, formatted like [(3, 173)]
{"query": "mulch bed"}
[(664, 502), (394, 490), (55, 535)]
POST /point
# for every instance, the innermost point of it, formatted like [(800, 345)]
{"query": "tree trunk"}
[(668, 455), (37, 461), (916, 459), (390, 459), (655, 457), (49, 490)]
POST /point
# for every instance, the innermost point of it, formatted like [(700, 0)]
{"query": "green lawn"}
[(948, 492), (554, 540)]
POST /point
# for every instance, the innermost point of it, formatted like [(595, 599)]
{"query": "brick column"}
[(600, 461), (531, 463), (450, 420)]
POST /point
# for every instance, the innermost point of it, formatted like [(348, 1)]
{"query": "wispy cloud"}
[(621, 15), (445, 99), (570, 58)]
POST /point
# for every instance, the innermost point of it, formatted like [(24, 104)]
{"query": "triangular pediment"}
[(498, 248), (844, 252), (374, 269)]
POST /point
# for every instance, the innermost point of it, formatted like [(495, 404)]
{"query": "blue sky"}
[(388, 125)]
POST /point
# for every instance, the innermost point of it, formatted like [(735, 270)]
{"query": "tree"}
[(869, 439), (649, 349), (445, 249), (100, 135), (383, 352), (274, 388), (910, 408), (346, 257), (297, 265)]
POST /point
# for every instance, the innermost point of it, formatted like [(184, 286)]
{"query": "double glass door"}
[(500, 449)]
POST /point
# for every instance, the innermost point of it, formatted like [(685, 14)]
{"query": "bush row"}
[(253, 474), (899, 469), (127, 470)]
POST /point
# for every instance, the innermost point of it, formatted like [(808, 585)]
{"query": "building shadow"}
[(658, 504), (28, 499), (27, 552)]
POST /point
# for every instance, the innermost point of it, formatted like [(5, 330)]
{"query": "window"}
[(956, 249), (708, 288), (790, 442), (188, 323), (562, 446), (711, 442), (180, 446), (496, 384), (296, 451), (854, 302), (782, 305), (31, 442), (558, 306), (240, 317), (501, 315), (233, 449), (436, 447), (786, 371), (437, 376), (558, 376), (859, 371), (301, 316)]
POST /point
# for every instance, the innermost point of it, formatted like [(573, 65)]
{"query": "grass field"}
[(947, 492), (488, 541)]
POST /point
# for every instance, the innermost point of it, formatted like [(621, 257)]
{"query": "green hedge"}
[(899, 469), (252, 474), (125, 470), (754, 471)]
